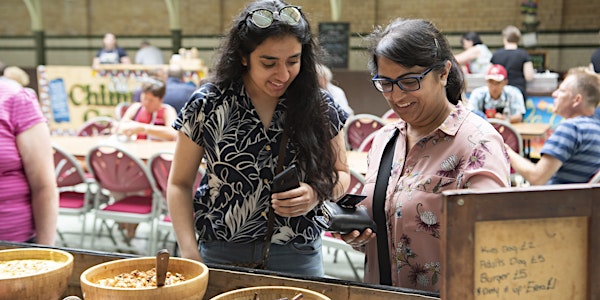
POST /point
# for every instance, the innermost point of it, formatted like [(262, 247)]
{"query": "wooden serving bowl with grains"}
[(271, 293), (36, 273), (134, 278)]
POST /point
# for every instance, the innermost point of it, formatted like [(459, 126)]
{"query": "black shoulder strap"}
[(383, 176)]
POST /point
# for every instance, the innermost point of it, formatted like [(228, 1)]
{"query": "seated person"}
[(178, 92), (149, 118), (497, 99), (570, 155), (17, 74), (338, 94)]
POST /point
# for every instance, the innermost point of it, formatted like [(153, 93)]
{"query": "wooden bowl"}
[(44, 285), (270, 293), (194, 287)]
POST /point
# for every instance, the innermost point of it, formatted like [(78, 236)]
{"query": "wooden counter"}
[(223, 279)]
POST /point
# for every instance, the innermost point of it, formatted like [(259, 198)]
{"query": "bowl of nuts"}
[(34, 273), (271, 293), (136, 278)]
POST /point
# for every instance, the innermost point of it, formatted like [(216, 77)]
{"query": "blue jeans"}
[(301, 259)]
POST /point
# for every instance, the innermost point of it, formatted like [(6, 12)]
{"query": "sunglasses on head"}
[(263, 18)]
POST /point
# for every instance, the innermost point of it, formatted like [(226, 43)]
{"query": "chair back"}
[(120, 109), (595, 178), (96, 126), (357, 182), (117, 170), (67, 168), (358, 127), (160, 166), (510, 135), (366, 144)]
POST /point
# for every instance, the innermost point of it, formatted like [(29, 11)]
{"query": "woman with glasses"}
[(260, 111), (436, 145)]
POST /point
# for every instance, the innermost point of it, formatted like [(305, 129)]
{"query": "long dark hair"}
[(308, 112), (471, 36), (416, 42)]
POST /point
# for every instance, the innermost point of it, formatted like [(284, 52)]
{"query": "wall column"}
[(34, 7), (174, 24)]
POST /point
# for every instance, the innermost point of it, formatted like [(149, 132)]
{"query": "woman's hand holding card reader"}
[(344, 216)]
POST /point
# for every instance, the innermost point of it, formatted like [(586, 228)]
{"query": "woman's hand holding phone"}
[(289, 196)]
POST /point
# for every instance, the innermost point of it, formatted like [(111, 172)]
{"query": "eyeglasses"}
[(263, 18), (406, 83)]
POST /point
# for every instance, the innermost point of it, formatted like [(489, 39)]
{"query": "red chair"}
[(514, 140), (134, 197), (75, 188), (96, 126), (358, 127), (510, 135), (160, 166), (366, 144), (357, 182), (120, 109)]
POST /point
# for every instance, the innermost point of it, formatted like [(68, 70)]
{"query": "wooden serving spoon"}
[(162, 265)]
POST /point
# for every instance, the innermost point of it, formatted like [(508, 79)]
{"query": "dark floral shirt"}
[(232, 201)]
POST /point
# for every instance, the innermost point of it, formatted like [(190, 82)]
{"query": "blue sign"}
[(59, 100)]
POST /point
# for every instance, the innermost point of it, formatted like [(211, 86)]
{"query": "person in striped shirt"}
[(572, 153), (28, 192)]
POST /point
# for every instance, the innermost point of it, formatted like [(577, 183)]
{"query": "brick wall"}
[(74, 28)]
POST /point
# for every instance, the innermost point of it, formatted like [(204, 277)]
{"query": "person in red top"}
[(150, 118)]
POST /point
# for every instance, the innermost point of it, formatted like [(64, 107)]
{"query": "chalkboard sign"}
[(334, 38), (526, 243), (525, 259)]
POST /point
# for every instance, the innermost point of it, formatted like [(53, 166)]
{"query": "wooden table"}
[(530, 131), (79, 146)]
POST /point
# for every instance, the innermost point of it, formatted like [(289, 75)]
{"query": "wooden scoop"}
[(162, 265)]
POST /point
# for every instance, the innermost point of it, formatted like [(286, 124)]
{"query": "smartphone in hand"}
[(286, 180)]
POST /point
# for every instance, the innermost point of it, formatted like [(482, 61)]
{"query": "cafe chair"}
[(120, 109), (510, 135), (134, 196), (358, 127), (366, 144), (76, 190), (96, 126), (595, 178), (160, 166), (514, 140), (357, 182), (338, 245)]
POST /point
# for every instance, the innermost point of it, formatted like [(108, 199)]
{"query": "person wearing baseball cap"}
[(497, 99), (570, 154)]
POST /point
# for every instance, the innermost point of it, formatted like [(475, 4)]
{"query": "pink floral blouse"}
[(464, 152)]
